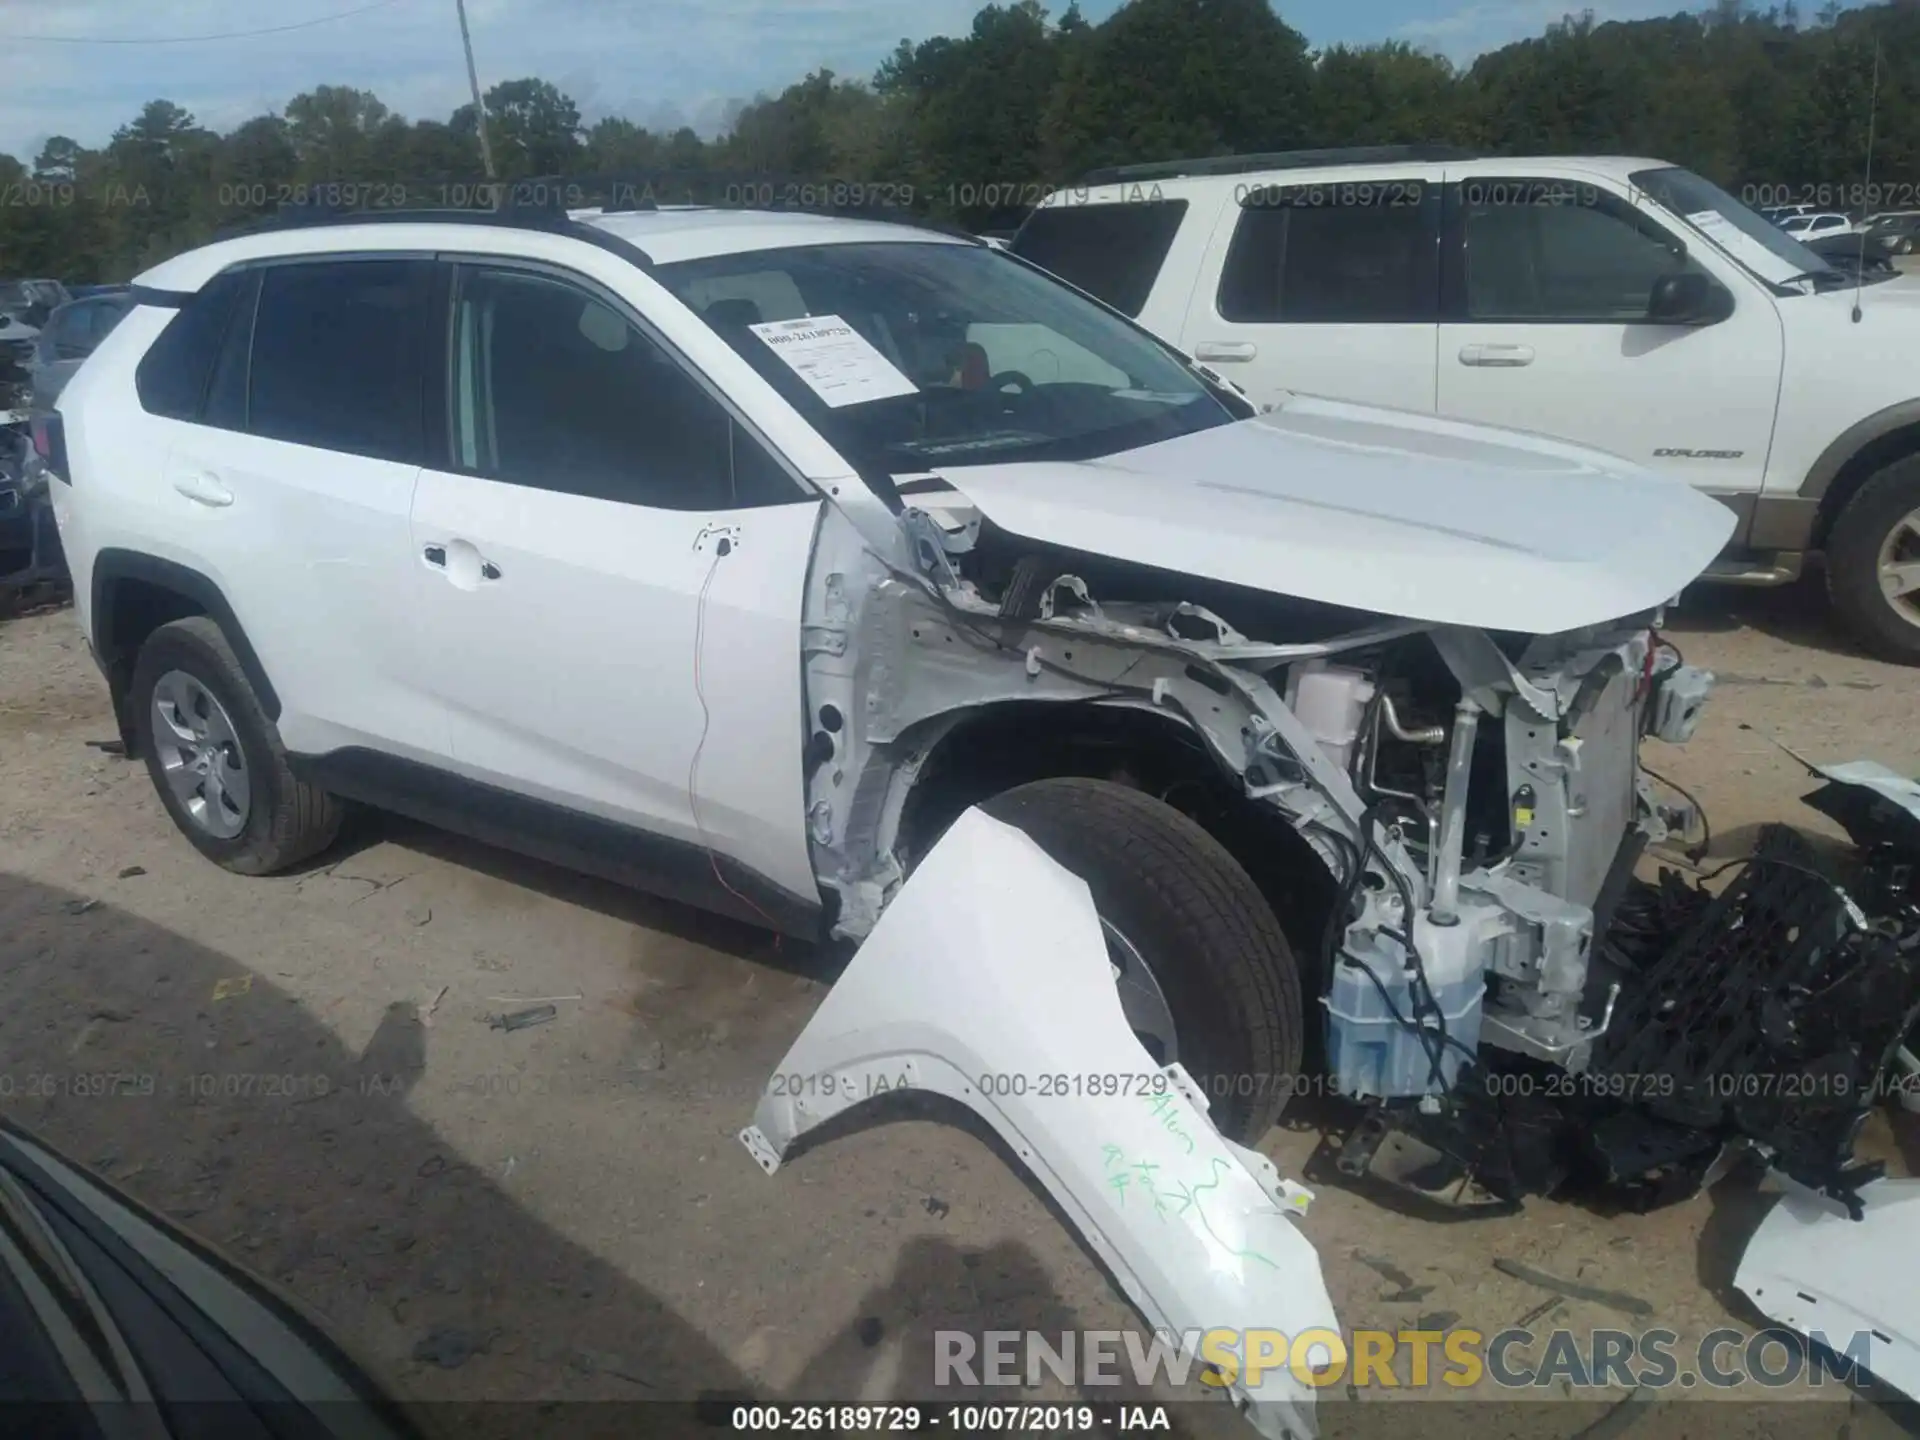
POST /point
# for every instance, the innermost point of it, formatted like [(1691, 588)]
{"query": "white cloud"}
[(660, 63), (1472, 30), (1464, 34)]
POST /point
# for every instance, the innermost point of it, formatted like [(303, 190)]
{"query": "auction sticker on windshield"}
[(1738, 244), (835, 360)]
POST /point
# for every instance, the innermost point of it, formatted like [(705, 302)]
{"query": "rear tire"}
[(1196, 918), (1878, 527), (283, 820)]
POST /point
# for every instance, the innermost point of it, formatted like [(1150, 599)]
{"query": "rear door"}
[(292, 482), (1330, 287), (608, 569), (1114, 249)]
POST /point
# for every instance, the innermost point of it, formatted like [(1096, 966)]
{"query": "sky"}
[(660, 63)]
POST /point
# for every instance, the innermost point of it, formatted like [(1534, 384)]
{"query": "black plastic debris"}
[(1776, 1016), (1617, 1300), (1768, 1017)]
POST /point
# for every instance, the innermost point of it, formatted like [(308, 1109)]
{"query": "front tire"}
[(1873, 563), (216, 759), (1172, 896)]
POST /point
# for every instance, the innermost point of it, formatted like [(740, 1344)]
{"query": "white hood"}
[(1379, 510)]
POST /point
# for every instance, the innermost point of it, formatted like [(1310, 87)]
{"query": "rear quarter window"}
[(1112, 252), (172, 376)]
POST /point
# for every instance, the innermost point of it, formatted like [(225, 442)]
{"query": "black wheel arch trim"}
[(1851, 441), (112, 566)]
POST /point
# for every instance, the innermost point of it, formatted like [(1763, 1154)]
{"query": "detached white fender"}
[(987, 980), (1812, 1268)]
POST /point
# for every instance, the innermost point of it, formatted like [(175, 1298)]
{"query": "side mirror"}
[(1687, 298)]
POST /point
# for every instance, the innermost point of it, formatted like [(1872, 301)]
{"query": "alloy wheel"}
[(200, 755), (1141, 999)]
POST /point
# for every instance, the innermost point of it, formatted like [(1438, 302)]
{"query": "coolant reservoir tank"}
[(1331, 701)]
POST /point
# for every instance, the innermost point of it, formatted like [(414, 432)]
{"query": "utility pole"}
[(473, 83)]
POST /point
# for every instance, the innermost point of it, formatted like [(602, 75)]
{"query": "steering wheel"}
[(1005, 378)]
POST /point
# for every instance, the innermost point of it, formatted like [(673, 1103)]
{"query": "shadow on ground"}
[(1798, 614), (186, 1078), (366, 828)]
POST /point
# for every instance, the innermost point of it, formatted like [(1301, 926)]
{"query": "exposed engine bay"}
[(1475, 799), (1768, 1018)]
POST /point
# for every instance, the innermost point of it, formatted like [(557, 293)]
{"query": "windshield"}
[(1744, 235), (910, 355)]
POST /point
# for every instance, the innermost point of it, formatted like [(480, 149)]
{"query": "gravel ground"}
[(564, 1213)]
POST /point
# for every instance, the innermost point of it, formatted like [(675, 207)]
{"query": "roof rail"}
[(1277, 160), (624, 192), (548, 216), (544, 203), (513, 208)]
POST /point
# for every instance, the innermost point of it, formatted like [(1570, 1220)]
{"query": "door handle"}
[(203, 489), (1222, 350), (466, 560), (1500, 355)]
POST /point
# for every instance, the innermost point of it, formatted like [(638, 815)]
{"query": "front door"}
[(610, 570), (1546, 329)]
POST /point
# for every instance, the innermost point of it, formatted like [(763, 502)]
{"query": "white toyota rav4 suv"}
[(1621, 303), (795, 565)]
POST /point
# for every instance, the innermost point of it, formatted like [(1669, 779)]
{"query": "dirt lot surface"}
[(563, 1212)]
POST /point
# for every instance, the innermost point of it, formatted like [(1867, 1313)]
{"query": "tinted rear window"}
[(1332, 254), (338, 357), (226, 405), (172, 376), (1112, 252)]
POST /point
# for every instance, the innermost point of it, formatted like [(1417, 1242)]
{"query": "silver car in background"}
[(70, 335), (32, 376)]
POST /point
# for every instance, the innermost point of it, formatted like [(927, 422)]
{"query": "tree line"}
[(1773, 105)]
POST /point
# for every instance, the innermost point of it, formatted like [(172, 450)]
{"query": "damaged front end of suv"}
[(1437, 814), (1164, 759), (1471, 797)]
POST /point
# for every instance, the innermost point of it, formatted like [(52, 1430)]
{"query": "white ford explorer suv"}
[(1621, 303), (795, 565)]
